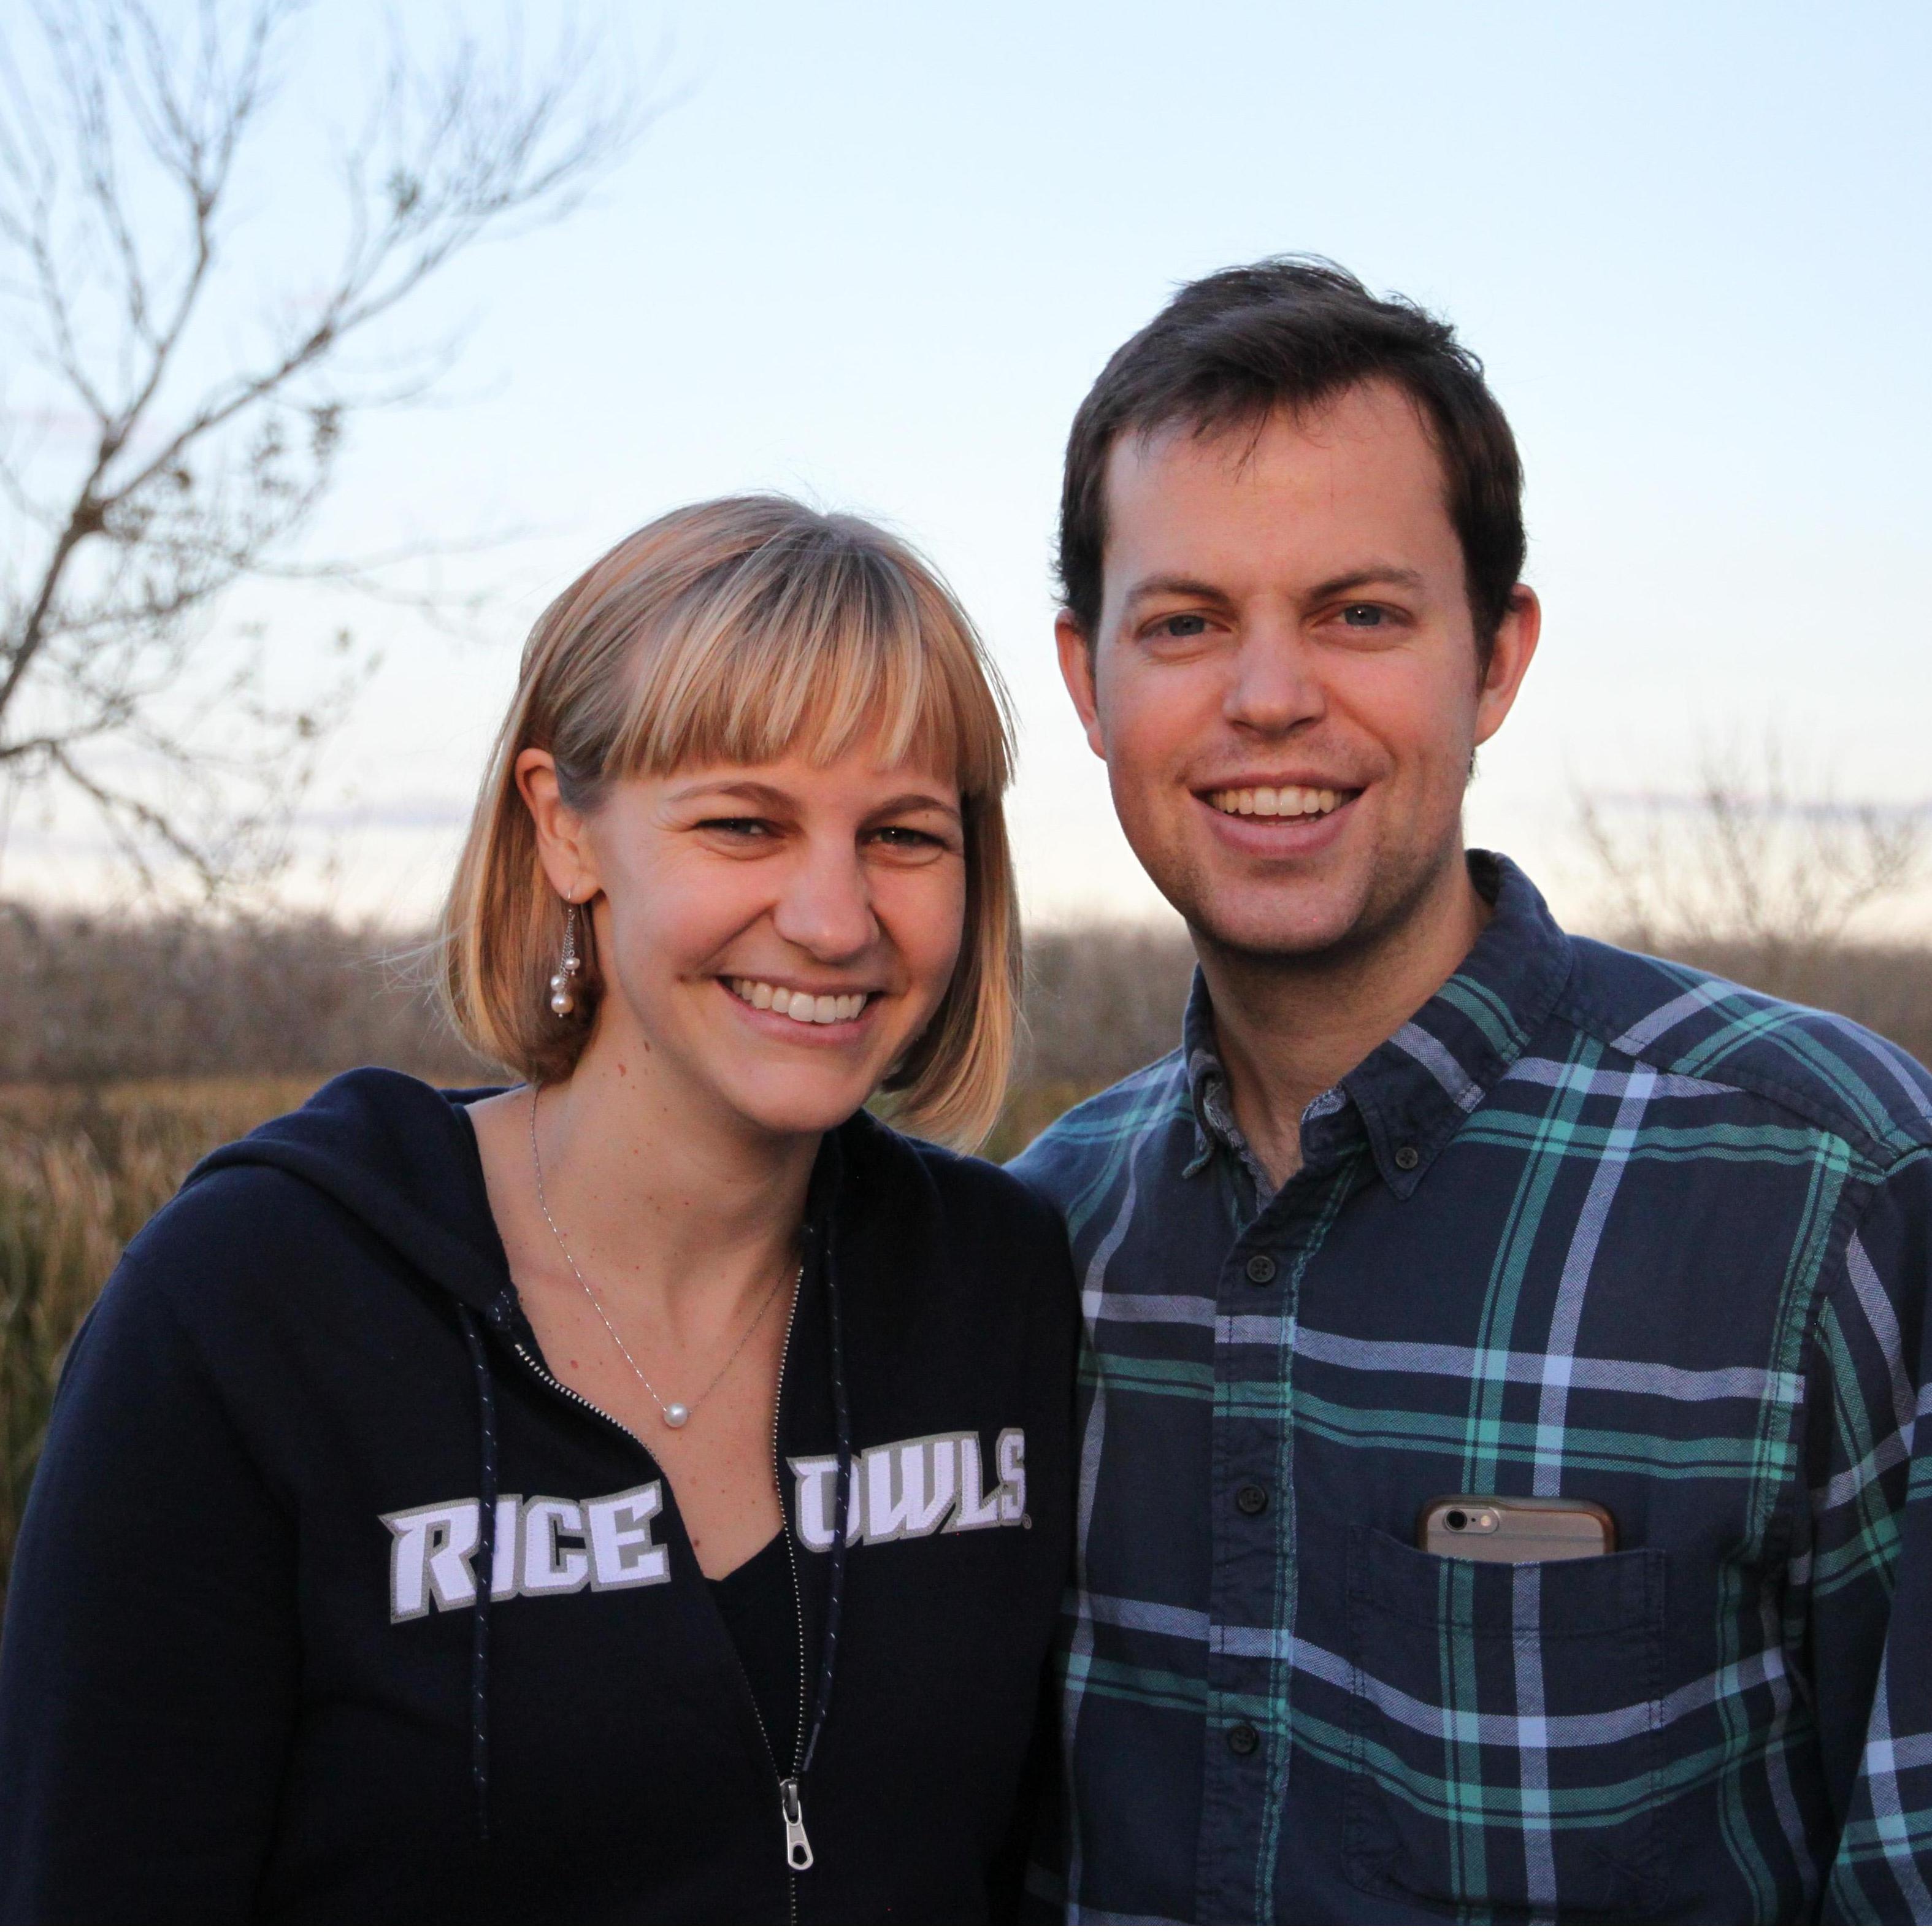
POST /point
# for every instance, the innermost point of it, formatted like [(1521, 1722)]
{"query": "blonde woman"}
[(640, 1492)]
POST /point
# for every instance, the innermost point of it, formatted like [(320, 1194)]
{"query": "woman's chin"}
[(792, 1109)]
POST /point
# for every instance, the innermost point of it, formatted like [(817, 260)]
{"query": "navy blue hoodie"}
[(248, 1670)]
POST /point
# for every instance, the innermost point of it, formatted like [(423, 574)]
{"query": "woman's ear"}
[(562, 850)]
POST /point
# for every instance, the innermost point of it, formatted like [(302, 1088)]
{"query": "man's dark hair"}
[(1233, 348)]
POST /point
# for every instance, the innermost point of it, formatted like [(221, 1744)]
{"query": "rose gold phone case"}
[(1514, 1529)]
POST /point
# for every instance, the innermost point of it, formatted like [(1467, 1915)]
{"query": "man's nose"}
[(826, 908), (1275, 687)]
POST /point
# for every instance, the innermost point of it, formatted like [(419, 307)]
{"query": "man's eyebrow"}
[(1393, 575), (1162, 585)]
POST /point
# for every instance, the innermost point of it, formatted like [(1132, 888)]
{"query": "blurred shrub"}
[(1102, 1000), (92, 1000), (80, 1171)]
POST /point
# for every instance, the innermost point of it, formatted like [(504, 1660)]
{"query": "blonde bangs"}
[(742, 631), (816, 649)]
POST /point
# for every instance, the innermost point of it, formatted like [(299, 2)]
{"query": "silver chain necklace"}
[(675, 1414)]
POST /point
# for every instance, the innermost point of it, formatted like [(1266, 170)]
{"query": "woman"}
[(441, 1516)]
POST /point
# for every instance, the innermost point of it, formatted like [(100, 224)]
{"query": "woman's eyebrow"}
[(750, 789), (755, 793), (915, 801)]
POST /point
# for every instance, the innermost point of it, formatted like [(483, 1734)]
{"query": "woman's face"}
[(778, 934)]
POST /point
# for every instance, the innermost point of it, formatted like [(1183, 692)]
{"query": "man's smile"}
[(1279, 801)]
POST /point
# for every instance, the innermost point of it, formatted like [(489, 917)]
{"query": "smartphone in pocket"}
[(1514, 1529)]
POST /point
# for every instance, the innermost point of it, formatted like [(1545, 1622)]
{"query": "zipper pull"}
[(798, 1847)]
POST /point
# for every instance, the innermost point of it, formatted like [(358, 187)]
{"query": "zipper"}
[(544, 1375), (791, 1811)]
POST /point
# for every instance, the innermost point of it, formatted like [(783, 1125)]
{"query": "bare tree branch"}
[(124, 127), (1757, 859)]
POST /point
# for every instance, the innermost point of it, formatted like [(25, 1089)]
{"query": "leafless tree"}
[(1761, 862), (168, 428)]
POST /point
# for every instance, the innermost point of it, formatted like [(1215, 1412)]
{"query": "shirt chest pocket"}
[(1505, 1746)]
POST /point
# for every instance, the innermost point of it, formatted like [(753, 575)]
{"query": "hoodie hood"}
[(401, 1157)]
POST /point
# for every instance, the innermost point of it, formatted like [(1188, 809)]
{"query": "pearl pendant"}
[(676, 1415)]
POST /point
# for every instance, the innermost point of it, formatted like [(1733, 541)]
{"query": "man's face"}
[(1285, 683)]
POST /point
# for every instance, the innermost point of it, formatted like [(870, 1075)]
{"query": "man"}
[(1435, 1201)]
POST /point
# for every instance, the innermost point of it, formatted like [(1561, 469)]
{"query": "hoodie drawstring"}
[(841, 1501), (485, 1561), (486, 1573)]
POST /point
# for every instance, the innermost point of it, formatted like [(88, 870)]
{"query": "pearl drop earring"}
[(562, 999)]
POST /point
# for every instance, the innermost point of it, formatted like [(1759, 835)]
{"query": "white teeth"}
[(1276, 801), (810, 1009)]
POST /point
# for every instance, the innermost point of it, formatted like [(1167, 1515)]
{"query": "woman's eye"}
[(737, 828), (906, 838)]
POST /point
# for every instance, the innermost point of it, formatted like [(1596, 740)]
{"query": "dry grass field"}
[(80, 1170), (85, 1158)]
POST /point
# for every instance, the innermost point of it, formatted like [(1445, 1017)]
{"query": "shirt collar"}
[(1412, 1093)]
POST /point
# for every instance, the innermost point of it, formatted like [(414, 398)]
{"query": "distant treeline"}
[(91, 999), (88, 998)]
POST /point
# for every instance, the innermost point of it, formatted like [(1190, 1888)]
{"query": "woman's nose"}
[(826, 905)]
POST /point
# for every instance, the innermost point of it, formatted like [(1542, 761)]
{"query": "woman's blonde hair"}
[(738, 631)]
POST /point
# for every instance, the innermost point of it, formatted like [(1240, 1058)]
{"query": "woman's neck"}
[(667, 1207)]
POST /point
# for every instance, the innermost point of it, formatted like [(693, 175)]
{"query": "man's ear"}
[(1509, 660), (562, 849), (1076, 670)]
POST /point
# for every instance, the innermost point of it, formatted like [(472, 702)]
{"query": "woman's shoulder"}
[(975, 1201), (375, 1172)]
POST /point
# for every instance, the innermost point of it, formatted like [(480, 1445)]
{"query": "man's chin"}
[(1276, 926)]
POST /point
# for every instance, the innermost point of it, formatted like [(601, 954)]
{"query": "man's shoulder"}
[(1830, 1072), (1094, 1139)]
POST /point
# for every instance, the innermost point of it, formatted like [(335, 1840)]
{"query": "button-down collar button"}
[(1407, 1159), (1261, 1268), (1251, 1499), (1242, 1738)]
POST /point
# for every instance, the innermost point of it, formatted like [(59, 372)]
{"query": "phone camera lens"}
[(1457, 1519)]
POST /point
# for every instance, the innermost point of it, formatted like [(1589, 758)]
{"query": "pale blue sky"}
[(877, 253)]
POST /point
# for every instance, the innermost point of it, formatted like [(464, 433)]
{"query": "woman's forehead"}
[(861, 772)]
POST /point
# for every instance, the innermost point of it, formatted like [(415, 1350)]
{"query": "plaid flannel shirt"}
[(1590, 1225)]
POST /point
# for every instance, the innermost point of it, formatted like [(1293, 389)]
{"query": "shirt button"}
[(1251, 1499), (1408, 1160), (1261, 1268), (1242, 1739)]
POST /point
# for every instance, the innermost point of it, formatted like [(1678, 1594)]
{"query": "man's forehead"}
[(1365, 461), (1370, 427)]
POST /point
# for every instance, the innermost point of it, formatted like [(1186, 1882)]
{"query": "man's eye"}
[(1183, 624), (1363, 617)]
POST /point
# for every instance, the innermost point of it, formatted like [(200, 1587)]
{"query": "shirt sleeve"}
[(148, 1673), (1870, 1645)]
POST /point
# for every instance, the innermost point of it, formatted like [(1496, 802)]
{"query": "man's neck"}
[(1289, 1027)]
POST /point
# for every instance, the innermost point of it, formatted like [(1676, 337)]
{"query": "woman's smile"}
[(797, 1007)]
